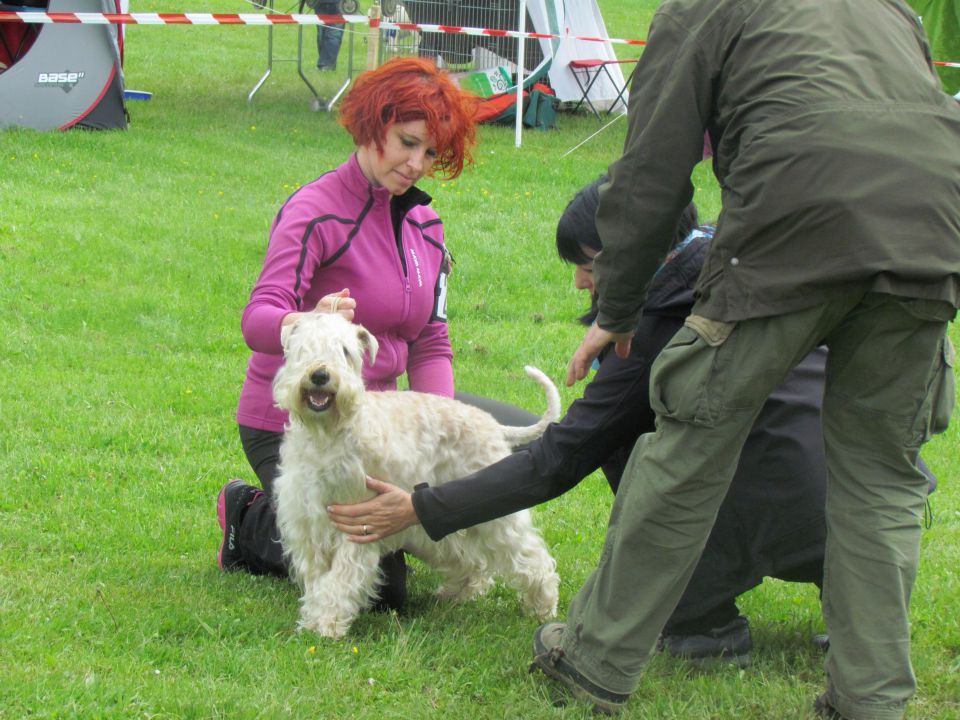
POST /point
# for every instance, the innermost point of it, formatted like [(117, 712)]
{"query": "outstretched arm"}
[(507, 486), (614, 410)]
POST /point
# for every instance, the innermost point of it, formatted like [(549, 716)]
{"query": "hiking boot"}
[(549, 659), (731, 643), (823, 709), (234, 498)]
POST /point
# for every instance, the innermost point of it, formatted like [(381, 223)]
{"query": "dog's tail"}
[(521, 435)]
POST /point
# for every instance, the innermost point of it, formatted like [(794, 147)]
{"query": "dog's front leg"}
[(332, 600)]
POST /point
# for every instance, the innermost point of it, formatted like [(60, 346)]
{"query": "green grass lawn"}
[(125, 261)]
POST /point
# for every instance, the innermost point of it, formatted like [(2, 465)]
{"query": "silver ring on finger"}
[(364, 529)]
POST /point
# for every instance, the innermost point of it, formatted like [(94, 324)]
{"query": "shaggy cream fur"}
[(338, 434)]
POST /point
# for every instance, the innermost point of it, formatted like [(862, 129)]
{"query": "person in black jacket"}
[(771, 523)]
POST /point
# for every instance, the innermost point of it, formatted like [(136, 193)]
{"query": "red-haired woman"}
[(360, 240)]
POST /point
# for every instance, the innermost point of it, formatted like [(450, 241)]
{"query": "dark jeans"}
[(329, 37)]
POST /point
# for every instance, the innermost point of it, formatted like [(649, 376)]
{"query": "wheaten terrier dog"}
[(338, 434)]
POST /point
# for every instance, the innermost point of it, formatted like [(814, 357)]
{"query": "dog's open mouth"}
[(318, 400)]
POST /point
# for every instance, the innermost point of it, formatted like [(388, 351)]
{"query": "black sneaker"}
[(730, 643), (823, 709), (549, 659), (233, 499)]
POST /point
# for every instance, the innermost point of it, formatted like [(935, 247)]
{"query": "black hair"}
[(577, 229)]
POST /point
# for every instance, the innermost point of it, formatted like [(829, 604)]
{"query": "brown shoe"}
[(549, 659)]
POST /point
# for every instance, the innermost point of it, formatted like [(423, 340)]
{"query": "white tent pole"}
[(521, 45)]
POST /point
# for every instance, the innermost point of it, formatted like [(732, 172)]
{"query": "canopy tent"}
[(58, 76)]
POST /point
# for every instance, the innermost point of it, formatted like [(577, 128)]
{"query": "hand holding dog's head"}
[(323, 363), (327, 325)]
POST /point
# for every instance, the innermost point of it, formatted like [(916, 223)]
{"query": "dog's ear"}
[(368, 342), (285, 332)]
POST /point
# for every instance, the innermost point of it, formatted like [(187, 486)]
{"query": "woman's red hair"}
[(407, 89)]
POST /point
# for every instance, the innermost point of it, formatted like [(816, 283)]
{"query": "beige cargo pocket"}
[(682, 375)]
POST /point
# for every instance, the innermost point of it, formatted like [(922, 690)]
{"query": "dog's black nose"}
[(319, 377)]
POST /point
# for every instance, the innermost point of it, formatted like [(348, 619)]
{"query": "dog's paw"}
[(543, 606), (324, 627), (544, 612), (541, 601)]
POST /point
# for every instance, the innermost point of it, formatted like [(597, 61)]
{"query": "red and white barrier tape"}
[(459, 30), (46, 18), (85, 18)]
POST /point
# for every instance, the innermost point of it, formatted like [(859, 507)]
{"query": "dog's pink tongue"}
[(318, 400)]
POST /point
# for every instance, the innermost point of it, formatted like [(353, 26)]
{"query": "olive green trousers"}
[(889, 387)]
